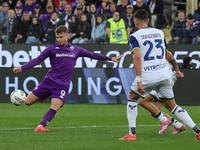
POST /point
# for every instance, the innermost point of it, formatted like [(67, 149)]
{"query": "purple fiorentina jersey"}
[(63, 60)]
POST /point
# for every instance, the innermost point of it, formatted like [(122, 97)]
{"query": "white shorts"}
[(163, 89), (156, 95)]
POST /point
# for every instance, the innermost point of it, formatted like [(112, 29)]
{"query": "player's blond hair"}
[(61, 29)]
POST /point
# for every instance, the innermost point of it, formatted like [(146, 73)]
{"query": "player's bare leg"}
[(178, 127), (182, 115), (55, 105), (159, 104), (147, 104), (31, 99)]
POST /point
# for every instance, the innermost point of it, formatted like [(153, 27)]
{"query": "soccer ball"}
[(18, 97)]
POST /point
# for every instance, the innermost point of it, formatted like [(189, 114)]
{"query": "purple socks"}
[(48, 117)]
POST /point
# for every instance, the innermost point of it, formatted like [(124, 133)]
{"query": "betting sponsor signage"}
[(93, 81)]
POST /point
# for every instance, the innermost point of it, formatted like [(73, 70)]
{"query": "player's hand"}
[(140, 89), (179, 75), (17, 70), (115, 59)]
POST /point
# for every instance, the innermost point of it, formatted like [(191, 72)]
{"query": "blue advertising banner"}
[(94, 81), (88, 85)]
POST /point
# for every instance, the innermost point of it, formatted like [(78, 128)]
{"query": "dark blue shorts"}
[(49, 88)]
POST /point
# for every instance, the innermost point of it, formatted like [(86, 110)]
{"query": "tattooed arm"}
[(172, 61)]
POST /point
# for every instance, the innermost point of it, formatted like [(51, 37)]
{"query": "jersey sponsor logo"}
[(155, 67), (65, 55), (57, 48)]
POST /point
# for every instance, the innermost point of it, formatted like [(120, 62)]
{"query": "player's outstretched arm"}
[(116, 59), (17, 70), (100, 56), (28, 65)]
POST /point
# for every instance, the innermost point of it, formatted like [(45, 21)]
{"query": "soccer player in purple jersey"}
[(63, 58)]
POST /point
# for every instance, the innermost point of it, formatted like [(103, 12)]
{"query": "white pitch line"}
[(78, 127), (71, 127)]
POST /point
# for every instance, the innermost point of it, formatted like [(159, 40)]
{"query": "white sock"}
[(161, 117), (183, 116), (175, 123), (132, 112)]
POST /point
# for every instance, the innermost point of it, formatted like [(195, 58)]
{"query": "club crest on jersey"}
[(72, 47)]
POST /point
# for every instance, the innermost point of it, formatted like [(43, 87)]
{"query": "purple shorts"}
[(49, 88)]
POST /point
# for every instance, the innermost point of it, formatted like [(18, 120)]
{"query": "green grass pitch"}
[(89, 127)]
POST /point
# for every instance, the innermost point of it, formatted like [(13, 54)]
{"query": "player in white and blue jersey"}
[(152, 72), (178, 127)]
